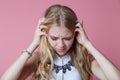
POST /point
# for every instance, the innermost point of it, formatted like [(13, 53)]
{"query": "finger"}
[(41, 20), (43, 34), (78, 31), (80, 21), (43, 28), (78, 26), (40, 26)]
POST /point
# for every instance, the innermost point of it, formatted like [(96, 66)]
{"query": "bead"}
[(64, 70), (29, 53), (57, 70)]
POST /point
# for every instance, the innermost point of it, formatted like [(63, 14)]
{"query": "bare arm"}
[(14, 71), (29, 67), (97, 71), (101, 67)]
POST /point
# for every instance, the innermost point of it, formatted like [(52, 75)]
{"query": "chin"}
[(61, 53)]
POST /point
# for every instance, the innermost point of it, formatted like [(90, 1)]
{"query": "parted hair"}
[(80, 58)]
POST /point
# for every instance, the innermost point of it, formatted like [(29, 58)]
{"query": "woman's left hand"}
[(80, 33)]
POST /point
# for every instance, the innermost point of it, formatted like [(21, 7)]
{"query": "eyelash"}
[(64, 38), (67, 38), (54, 38)]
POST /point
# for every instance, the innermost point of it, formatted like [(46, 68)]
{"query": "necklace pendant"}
[(64, 71), (57, 70), (63, 68), (69, 68)]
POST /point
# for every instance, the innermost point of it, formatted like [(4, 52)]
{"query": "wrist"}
[(87, 44), (90, 48), (32, 47), (26, 51), (35, 43)]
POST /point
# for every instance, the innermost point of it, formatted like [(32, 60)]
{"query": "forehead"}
[(59, 31)]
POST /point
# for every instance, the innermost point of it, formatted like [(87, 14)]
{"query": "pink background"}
[(18, 20)]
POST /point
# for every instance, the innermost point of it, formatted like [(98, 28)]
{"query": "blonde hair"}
[(58, 14)]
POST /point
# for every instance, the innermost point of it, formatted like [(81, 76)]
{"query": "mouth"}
[(61, 50)]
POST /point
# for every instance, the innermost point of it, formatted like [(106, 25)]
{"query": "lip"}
[(61, 50)]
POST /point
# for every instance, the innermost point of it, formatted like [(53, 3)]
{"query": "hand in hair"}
[(81, 35), (39, 31)]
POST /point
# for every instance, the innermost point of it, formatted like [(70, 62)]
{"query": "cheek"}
[(69, 43), (52, 43)]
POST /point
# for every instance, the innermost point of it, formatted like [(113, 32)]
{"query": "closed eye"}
[(54, 38), (67, 38)]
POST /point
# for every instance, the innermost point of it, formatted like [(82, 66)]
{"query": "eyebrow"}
[(63, 37)]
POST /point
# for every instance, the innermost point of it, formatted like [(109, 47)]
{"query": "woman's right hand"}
[(39, 32)]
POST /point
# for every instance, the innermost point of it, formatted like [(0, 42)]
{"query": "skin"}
[(101, 67), (60, 38)]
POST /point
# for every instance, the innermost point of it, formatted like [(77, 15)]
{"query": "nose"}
[(61, 44)]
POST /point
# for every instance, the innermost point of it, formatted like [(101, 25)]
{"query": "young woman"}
[(65, 52)]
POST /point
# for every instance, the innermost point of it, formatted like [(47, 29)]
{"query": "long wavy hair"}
[(59, 14)]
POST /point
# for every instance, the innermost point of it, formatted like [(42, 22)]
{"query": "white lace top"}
[(69, 75)]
